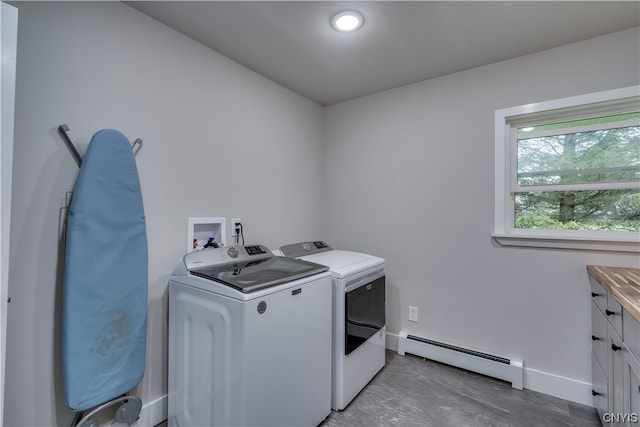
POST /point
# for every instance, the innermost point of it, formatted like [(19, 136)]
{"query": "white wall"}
[(207, 122), (219, 140), (409, 177)]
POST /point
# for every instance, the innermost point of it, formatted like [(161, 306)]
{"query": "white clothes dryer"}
[(358, 338), (249, 340)]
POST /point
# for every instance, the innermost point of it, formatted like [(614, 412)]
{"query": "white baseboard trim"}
[(558, 386), (391, 341), (153, 413), (543, 382)]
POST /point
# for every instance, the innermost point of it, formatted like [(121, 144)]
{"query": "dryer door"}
[(364, 311)]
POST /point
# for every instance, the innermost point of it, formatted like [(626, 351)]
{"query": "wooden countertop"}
[(622, 283)]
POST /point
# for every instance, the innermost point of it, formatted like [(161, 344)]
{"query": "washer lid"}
[(345, 263), (251, 276)]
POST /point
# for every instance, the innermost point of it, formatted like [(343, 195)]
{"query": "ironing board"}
[(105, 277)]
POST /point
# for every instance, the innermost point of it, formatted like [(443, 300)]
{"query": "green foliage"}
[(579, 158), (537, 220), (543, 222), (628, 207)]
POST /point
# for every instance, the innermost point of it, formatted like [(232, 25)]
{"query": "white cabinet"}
[(615, 352), (630, 364), (601, 377), (631, 384)]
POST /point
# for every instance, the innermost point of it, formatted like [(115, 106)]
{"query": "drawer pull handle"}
[(595, 294), (594, 338), (595, 393), (615, 347), (609, 312)]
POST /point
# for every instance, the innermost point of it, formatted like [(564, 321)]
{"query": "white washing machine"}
[(249, 340), (358, 338)]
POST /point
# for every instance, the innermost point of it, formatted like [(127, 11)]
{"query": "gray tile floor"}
[(410, 391)]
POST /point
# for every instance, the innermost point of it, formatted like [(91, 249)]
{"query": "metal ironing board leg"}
[(127, 413)]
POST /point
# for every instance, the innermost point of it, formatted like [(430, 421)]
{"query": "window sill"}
[(629, 245)]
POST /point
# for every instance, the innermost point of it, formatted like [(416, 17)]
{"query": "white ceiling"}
[(400, 43)]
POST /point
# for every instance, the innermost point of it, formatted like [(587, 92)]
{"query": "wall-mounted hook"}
[(68, 138)]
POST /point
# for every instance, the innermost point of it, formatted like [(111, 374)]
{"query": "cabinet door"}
[(616, 370), (631, 379), (631, 333), (599, 336), (599, 387)]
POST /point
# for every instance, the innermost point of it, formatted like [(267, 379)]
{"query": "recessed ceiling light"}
[(347, 21)]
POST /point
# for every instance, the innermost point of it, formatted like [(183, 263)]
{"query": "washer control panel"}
[(255, 250), (216, 256)]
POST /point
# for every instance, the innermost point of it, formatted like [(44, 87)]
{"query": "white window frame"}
[(564, 109)]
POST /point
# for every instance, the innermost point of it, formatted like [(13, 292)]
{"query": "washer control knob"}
[(306, 247), (233, 252)]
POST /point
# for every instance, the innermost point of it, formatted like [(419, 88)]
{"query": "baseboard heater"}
[(493, 366)]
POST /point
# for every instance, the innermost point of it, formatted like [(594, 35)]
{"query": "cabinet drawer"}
[(631, 333), (599, 335), (614, 314), (598, 294)]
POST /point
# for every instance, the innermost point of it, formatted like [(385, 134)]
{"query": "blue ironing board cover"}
[(105, 277)]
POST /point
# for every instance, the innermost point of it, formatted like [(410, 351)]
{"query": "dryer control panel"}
[(304, 248)]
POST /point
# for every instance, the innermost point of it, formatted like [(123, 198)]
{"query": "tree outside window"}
[(578, 175)]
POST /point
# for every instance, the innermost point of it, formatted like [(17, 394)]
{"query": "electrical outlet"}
[(413, 314), (234, 221)]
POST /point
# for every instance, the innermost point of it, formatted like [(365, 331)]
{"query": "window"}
[(568, 172)]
